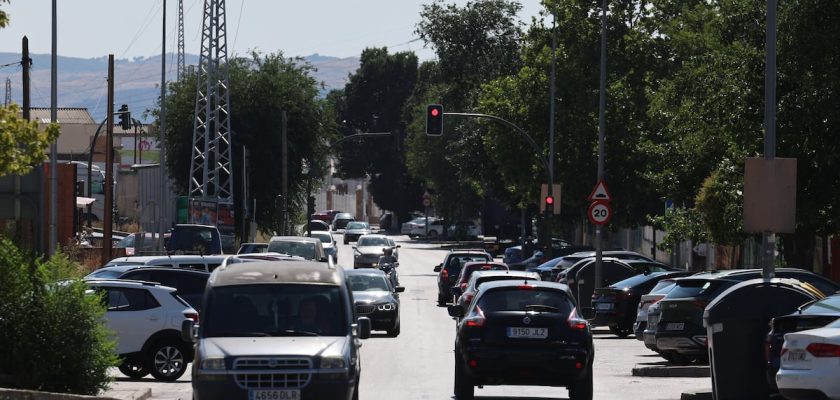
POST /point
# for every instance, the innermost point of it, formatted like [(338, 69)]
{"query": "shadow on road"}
[(148, 380)]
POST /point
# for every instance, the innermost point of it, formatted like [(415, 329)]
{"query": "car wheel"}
[(464, 388), (346, 241), (679, 359), (433, 234), (133, 369), (582, 389), (441, 300), (166, 360), (356, 390), (621, 331)]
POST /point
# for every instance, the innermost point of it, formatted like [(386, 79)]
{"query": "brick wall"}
[(66, 202)]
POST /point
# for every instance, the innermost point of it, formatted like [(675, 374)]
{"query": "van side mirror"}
[(399, 289), (364, 327), (188, 331), (438, 267)]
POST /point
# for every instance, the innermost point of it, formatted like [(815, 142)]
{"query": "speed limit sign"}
[(599, 212)]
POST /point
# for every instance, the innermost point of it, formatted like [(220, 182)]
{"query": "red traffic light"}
[(549, 200), (435, 112), (434, 120)]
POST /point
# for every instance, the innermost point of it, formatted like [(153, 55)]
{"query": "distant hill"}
[(82, 81)]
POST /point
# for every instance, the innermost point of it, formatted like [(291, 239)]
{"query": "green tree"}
[(261, 86), (372, 101), (22, 145)]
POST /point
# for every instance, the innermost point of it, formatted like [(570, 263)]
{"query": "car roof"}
[(496, 263), (125, 283), (119, 268), (490, 273), (531, 282), (178, 270), (267, 272), (293, 239), (365, 271), (179, 257), (253, 244), (375, 235)]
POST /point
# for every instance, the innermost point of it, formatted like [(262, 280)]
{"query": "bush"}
[(52, 331)]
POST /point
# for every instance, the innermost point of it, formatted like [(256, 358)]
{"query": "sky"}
[(132, 28)]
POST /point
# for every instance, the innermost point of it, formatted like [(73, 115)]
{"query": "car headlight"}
[(386, 307), (333, 363), (213, 363)]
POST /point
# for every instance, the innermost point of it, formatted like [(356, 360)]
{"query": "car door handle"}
[(152, 318)]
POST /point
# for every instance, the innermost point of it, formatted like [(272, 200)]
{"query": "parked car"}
[(407, 227), (340, 221), (813, 315), (374, 297), (199, 263), (289, 324), (513, 255), (646, 301), (480, 277), (354, 230), (563, 266), (189, 284), (249, 248), (680, 329), (617, 305), (140, 243), (306, 247), (369, 248), (328, 243), (194, 239), (517, 333), (418, 227), (466, 272), (146, 319), (326, 215), (449, 270), (809, 364), (581, 277), (461, 230)]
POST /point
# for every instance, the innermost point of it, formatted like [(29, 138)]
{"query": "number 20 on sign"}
[(599, 212)]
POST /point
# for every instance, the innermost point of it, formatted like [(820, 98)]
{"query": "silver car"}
[(354, 230), (369, 248)]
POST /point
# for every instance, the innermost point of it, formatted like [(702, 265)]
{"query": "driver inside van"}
[(311, 317)]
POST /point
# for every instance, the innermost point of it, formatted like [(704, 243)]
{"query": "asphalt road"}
[(418, 365)]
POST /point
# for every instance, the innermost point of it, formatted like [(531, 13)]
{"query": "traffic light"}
[(434, 120), (310, 206), (549, 204), (125, 117)]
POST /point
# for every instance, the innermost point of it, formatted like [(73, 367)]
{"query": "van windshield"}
[(274, 310)]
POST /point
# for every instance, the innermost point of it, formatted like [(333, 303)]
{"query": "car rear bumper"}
[(639, 329), (512, 366), (819, 383), (683, 342)]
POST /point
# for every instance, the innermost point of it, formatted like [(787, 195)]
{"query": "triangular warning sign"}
[(600, 192)]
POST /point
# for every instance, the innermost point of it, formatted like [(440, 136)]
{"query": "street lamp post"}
[(602, 126)]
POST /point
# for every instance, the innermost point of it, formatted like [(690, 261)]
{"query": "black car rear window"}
[(456, 261), (698, 288), (516, 299), (635, 280), (663, 286)]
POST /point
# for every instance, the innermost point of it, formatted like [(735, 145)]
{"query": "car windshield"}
[(515, 299), (323, 237), (357, 225), (828, 305), (368, 283), (300, 249), (372, 241), (420, 220), (274, 310), (648, 266), (635, 280)]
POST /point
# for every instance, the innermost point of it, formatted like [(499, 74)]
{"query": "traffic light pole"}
[(602, 127)]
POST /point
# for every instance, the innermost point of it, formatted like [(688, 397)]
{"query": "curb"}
[(16, 394), (697, 396), (673, 372)]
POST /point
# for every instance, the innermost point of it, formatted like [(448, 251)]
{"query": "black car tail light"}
[(576, 322), (476, 318)]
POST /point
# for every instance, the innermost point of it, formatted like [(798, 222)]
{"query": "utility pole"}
[(285, 155), (768, 239), (602, 126), (26, 66), (53, 242), (108, 214), (552, 91), (8, 99), (162, 206)]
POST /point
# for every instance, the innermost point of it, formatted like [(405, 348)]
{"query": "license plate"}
[(527, 333), (674, 326), (795, 355), (603, 306), (284, 394)]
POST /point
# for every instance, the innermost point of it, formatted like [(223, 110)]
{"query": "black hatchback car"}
[(189, 284), (616, 305), (680, 330), (522, 332), (449, 270), (375, 298)]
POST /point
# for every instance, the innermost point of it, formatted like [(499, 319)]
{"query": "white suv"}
[(147, 319)]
